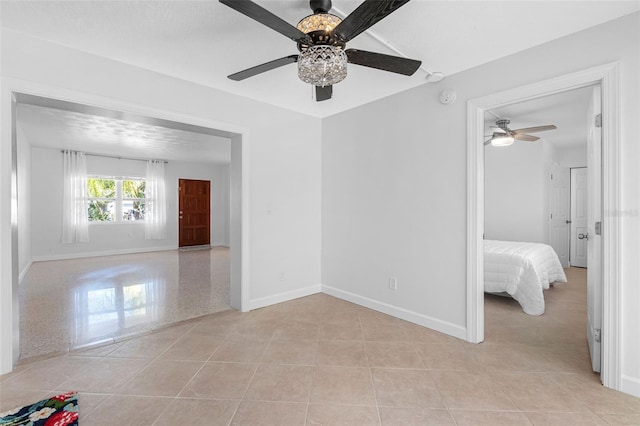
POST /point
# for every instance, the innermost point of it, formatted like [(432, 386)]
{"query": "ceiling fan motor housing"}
[(503, 124), (320, 37), (320, 6)]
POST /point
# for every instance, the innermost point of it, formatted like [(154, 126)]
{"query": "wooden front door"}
[(194, 212)]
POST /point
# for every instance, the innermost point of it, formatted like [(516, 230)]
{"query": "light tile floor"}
[(320, 360)]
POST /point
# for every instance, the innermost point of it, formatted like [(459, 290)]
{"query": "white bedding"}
[(523, 270)]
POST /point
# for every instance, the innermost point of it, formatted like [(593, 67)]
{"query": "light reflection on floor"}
[(67, 304)]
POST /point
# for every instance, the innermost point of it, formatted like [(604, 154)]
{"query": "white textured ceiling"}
[(204, 41), (566, 110), (61, 129)]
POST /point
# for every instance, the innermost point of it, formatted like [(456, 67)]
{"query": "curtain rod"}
[(119, 157)]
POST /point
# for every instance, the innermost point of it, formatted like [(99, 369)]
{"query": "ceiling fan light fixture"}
[(501, 139), (322, 65), (319, 22)]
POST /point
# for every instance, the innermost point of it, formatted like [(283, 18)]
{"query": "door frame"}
[(11, 89), (608, 77)]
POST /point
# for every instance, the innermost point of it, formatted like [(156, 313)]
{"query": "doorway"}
[(562, 167), (194, 212), (27, 93), (607, 77)]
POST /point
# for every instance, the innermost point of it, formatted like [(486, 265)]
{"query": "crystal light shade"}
[(319, 22), (322, 65)]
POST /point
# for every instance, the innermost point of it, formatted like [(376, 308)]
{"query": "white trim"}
[(405, 314), (284, 297), (245, 265), (611, 345), (607, 75), (475, 224), (13, 85)]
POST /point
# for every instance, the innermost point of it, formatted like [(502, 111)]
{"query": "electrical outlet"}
[(393, 283), (282, 276)]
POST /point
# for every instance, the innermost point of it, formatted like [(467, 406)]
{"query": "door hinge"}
[(598, 228), (551, 216), (597, 335), (551, 176), (598, 121)]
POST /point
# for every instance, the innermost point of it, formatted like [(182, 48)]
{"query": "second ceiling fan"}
[(321, 40), (504, 136)]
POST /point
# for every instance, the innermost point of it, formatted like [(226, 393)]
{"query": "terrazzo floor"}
[(320, 360), (69, 304)]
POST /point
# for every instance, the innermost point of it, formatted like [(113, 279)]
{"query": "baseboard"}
[(100, 253), (283, 297), (219, 244), (24, 272), (196, 248), (395, 311), (630, 385)]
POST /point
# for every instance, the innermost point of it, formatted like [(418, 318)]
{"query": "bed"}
[(522, 270)]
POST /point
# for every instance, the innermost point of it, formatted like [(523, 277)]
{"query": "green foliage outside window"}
[(101, 188), (102, 197), (108, 196), (133, 199)]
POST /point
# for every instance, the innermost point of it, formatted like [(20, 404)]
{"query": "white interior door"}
[(559, 212), (594, 221), (579, 202)]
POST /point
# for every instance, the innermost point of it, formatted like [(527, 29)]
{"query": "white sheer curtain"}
[(156, 204), (75, 205)]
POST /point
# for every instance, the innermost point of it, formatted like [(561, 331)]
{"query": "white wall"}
[(515, 192), (393, 204), (112, 238), (517, 188), (572, 157), (394, 185), (284, 168)]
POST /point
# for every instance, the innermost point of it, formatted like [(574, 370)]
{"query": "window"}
[(116, 199)]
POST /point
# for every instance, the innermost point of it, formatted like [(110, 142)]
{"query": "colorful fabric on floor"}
[(59, 410)]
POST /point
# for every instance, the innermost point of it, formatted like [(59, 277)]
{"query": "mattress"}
[(522, 270)]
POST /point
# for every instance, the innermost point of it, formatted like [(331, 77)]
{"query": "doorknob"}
[(583, 236)]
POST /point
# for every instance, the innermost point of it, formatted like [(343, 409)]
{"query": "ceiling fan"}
[(322, 38), (504, 136)]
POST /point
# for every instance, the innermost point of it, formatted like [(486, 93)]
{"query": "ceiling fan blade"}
[(323, 93), (523, 137), (383, 62), (365, 16), (250, 72), (535, 129), (262, 15)]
